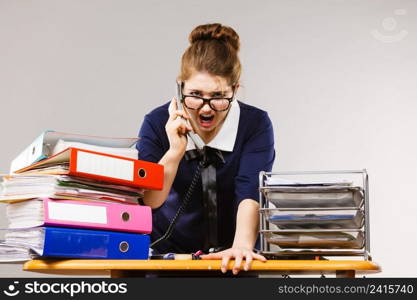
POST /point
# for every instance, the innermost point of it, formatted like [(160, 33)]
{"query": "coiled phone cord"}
[(184, 203)]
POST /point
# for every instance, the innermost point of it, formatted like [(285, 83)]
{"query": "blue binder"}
[(94, 244)]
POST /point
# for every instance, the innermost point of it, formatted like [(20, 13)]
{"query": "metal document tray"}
[(318, 239), (295, 197), (315, 219)]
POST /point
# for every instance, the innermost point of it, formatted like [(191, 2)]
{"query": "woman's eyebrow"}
[(193, 91), (217, 92), (211, 93)]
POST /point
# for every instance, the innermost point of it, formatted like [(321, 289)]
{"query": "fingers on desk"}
[(226, 256), (238, 262), (225, 261)]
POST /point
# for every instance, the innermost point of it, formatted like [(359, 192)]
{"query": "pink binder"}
[(98, 215)]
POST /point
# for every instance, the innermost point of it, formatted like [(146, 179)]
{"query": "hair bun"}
[(215, 31)]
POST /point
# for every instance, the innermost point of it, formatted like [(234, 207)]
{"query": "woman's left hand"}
[(238, 254)]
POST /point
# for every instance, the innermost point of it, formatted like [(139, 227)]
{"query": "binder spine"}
[(33, 153), (119, 170), (98, 215)]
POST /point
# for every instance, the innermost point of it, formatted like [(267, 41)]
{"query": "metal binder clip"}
[(125, 216), (124, 246)]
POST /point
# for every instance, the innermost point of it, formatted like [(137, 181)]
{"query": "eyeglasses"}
[(216, 103)]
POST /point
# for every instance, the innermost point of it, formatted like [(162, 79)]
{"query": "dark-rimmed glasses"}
[(216, 103)]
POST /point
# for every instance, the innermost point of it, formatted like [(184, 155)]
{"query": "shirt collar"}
[(226, 137)]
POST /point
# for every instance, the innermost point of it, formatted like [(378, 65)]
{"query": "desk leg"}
[(126, 273), (117, 273), (345, 274)]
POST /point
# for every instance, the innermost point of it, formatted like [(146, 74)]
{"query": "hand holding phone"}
[(176, 130), (198, 141)]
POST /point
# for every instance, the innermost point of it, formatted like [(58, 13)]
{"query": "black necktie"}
[(210, 158)]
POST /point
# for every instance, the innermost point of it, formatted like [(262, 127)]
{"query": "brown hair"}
[(214, 49)]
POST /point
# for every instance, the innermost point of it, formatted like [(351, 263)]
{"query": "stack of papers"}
[(24, 187), (78, 202), (10, 252)]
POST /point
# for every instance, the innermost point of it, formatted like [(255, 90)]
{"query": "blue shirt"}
[(237, 178)]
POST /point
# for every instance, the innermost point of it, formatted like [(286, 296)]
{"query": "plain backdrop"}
[(338, 79)]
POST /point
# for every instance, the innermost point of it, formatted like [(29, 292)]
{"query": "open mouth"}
[(206, 120)]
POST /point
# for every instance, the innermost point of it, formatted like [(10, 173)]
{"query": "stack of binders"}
[(314, 214), (76, 196)]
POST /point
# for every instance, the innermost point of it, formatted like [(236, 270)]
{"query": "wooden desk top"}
[(103, 267)]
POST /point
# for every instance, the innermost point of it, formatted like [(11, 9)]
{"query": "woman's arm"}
[(259, 149), (154, 198), (176, 130), (247, 226)]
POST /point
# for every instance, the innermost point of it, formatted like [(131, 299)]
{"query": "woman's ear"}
[(236, 87)]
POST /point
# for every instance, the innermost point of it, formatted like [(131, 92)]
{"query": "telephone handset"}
[(198, 142)]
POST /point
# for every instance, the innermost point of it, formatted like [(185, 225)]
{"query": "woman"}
[(222, 213)]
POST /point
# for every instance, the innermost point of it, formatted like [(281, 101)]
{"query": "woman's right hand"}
[(177, 129)]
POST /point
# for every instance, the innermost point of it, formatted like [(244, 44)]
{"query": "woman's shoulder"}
[(153, 128), (252, 113), (159, 113), (255, 129)]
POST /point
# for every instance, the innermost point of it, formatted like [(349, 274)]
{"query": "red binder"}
[(100, 166)]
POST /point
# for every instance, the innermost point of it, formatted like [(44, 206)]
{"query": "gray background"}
[(337, 78)]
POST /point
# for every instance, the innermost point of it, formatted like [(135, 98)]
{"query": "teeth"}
[(206, 118)]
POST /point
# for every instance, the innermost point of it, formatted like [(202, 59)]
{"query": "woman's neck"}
[(209, 136)]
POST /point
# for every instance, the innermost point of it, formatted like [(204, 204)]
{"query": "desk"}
[(199, 268)]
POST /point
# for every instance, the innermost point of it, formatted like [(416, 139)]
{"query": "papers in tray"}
[(313, 211), (314, 196), (277, 181), (325, 240), (323, 219)]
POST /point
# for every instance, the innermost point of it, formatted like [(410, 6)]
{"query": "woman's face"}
[(206, 121)]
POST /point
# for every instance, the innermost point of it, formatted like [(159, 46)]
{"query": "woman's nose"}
[(206, 108)]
